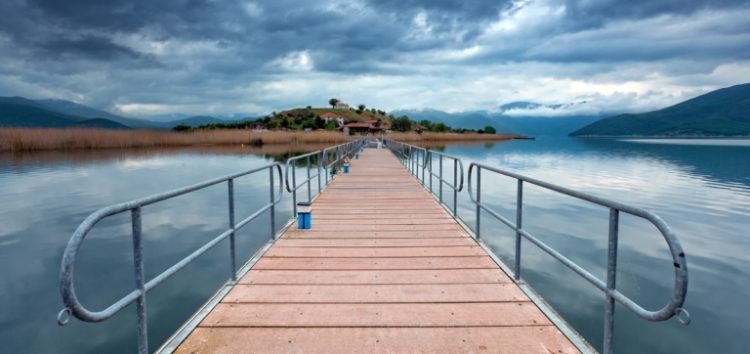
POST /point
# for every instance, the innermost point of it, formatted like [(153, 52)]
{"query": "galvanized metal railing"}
[(325, 160), (679, 291), (415, 158), (142, 287), (419, 161), (458, 176)]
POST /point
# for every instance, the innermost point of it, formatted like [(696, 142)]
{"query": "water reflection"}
[(702, 191), (46, 195)]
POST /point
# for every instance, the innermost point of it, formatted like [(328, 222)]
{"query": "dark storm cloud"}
[(373, 34), (93, 47), (181, 50)]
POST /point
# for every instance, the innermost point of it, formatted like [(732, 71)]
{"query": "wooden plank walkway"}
[(385, 269)]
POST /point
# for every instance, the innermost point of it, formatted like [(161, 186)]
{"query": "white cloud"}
[(296, 61), (253, 9)]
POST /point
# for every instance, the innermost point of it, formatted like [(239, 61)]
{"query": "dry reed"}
[(27, 139), (32, 139), (447, 137)]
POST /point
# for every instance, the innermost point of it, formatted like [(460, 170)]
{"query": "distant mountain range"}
[(721, 113), (502, 122), (724, 112), (23, 112)]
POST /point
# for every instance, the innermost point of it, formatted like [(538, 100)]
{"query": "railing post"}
[(309, 183), (479, 198), (455, 187), (325, 165), (294, 189), (440, 182), (430, 172), (273, 206), (320, 159), (519, 225), (609, 307), (140, 281), (233, 255), (424, 164)]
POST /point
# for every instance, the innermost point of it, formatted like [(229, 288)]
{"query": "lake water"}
[(701, 189)]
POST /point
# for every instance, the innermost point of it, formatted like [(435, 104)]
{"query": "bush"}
[(182, 128), (440, 128), (490, 130), (401, 124)]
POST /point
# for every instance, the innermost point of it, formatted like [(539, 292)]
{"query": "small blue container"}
[(346, 168), (304, 216)]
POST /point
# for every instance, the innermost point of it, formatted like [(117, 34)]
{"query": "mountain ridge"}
[(720, 113)]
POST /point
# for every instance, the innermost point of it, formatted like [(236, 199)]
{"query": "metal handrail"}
[(324, 163), (67, 269), (458, 170), (676, 301), (410, 156), (406, 154)]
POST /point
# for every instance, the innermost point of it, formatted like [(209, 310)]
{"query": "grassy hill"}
[(86, 112), (721, 113), (20, 112), (298, 118)]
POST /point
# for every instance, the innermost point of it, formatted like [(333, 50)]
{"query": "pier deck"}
[(385, 269)]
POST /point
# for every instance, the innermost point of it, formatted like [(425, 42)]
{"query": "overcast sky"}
[(251, 57)]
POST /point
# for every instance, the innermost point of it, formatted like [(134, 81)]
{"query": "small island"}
[(27, 125)]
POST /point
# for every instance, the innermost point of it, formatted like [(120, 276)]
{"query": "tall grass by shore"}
[(448, 137), (32, 139), (26, 139)]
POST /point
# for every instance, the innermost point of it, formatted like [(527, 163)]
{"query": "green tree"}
[(401, 124), (333, 102), (490, 130), (182, 128), (440, 128), (309, 123), (361, 107), (330, 126)]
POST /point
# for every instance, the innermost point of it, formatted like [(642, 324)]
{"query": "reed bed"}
[(34, 139), (29, 139), (448, 137)]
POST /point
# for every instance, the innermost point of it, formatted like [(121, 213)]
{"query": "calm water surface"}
[(701, 190)]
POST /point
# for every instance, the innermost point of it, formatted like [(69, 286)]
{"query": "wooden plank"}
[(354, 227), (364, 216), (385, 269), (323, 252), (380, 222), (374, 242), (294, 233), (377, 315), (393, 276), (478, 262), (501, 340), (403, 293)]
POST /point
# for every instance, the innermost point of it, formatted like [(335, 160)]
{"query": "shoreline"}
[(54, 139), (665, 137)]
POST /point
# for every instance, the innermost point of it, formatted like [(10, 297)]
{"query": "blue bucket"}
[(304, 216)]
